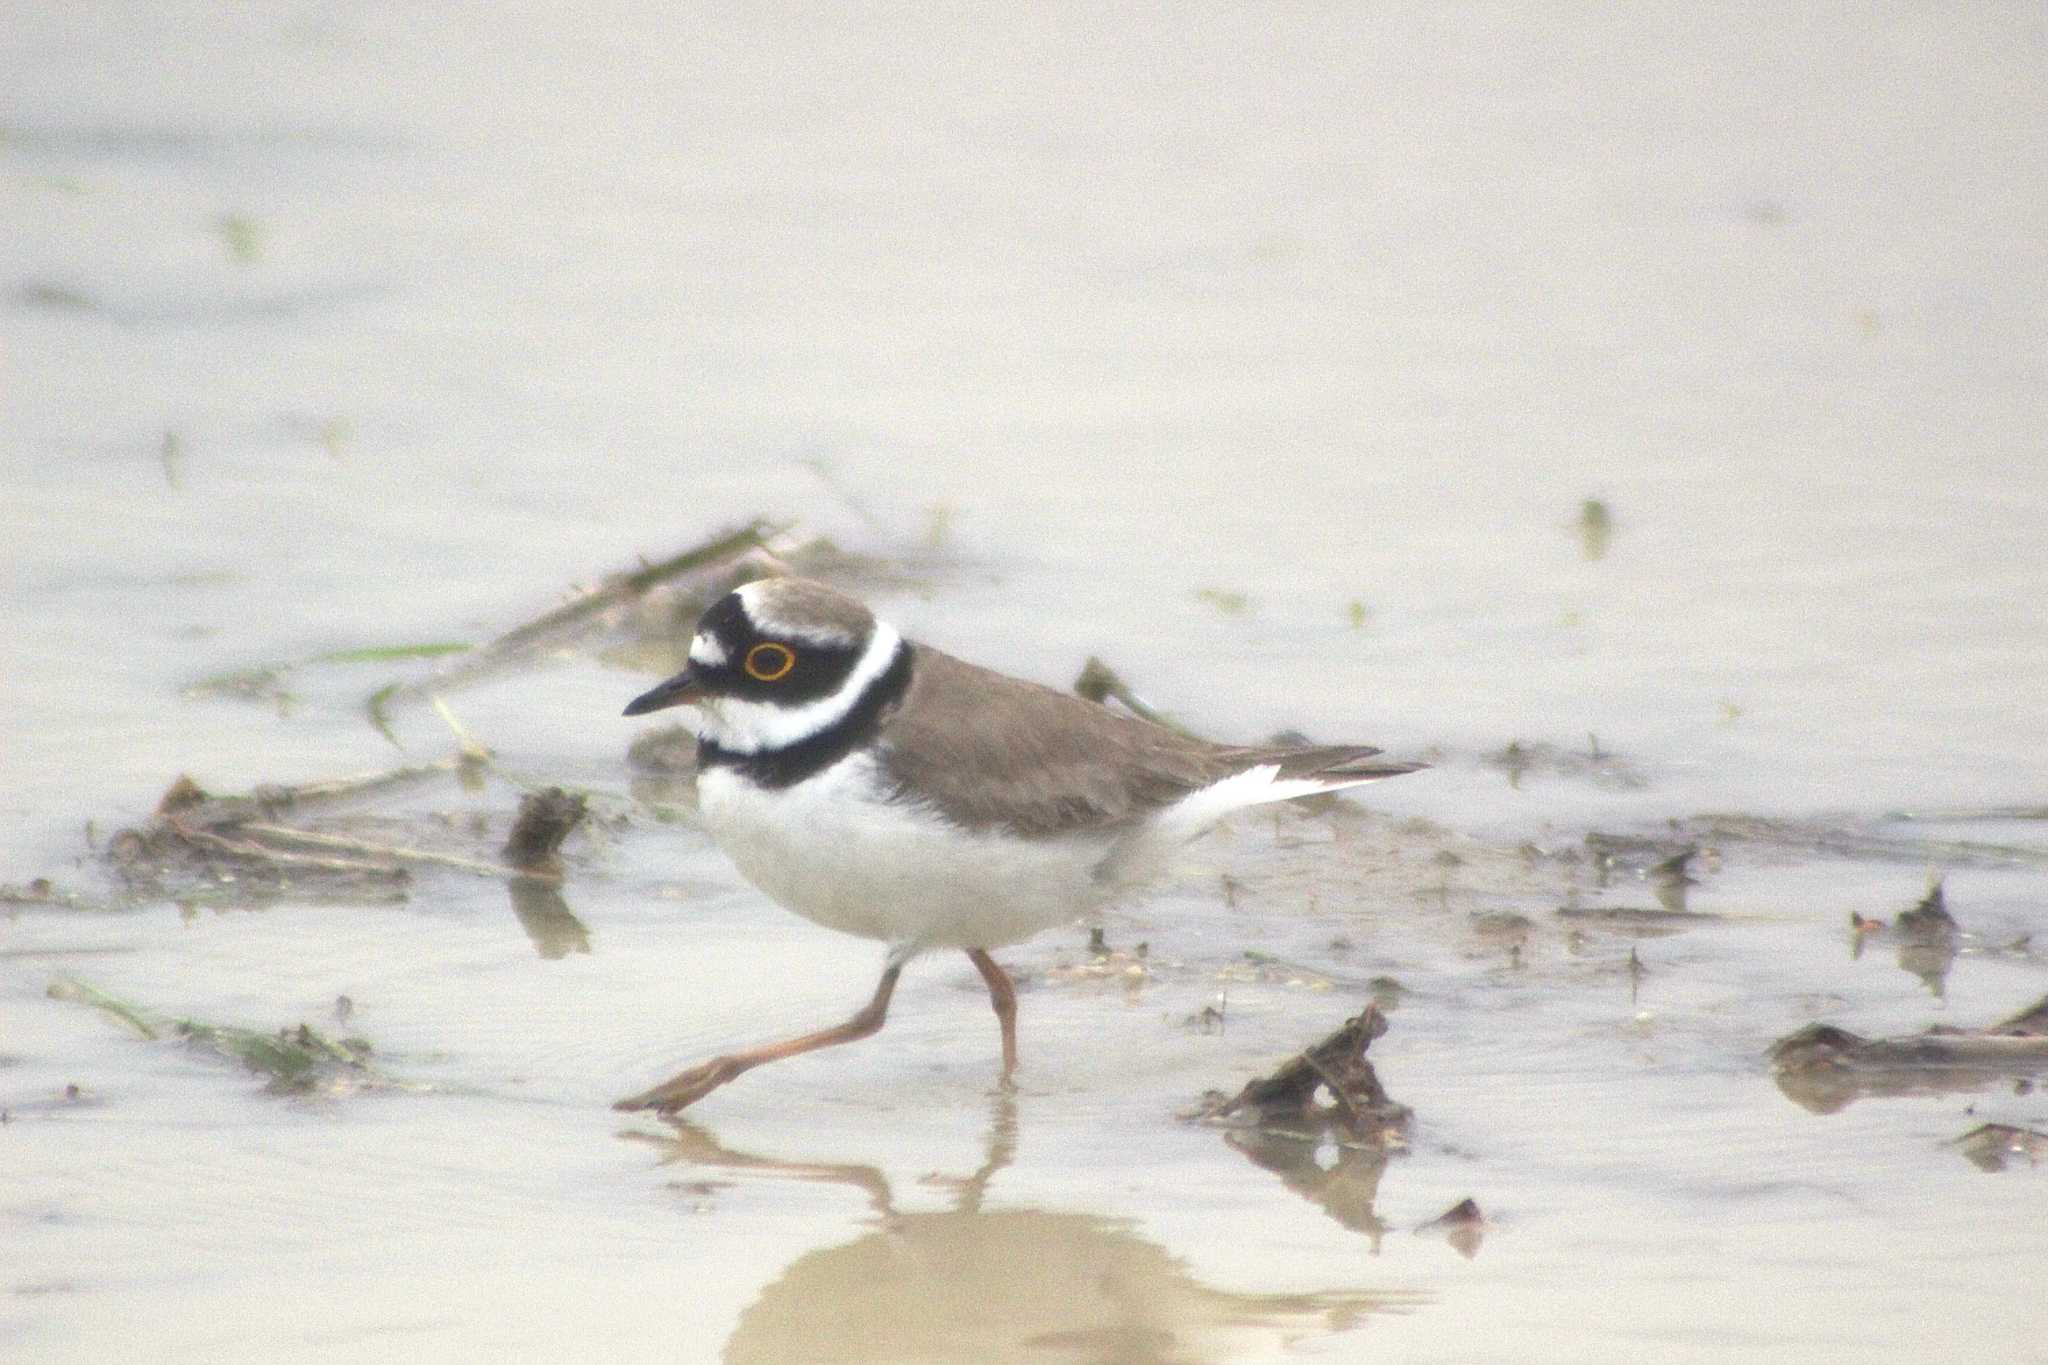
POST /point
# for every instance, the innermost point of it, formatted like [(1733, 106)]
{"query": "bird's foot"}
[(683, 1089)]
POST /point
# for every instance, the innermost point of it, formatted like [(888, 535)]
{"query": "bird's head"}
[(775, 662)]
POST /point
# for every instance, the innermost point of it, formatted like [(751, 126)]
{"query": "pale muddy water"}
[(1272, 354)]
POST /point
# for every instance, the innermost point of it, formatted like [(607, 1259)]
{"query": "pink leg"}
[(1003, 995), (687, 1087)]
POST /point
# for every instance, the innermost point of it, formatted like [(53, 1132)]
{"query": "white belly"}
[(831, 849)]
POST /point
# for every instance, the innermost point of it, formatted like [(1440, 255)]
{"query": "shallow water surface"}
[(1660, 398)]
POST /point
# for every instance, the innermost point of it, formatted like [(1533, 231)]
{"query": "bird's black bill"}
[(681, 690)]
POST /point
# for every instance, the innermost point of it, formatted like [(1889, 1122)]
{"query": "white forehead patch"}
[(705, 650), (753, 598)]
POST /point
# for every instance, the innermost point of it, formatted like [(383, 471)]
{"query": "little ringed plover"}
[(881, 787)]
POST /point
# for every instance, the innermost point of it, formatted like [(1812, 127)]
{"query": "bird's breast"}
[(846, 850)]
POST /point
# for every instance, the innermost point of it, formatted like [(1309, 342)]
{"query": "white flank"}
[(751, 727), (837, 850)]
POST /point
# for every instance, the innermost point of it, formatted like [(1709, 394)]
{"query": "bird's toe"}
[(682, 1090)]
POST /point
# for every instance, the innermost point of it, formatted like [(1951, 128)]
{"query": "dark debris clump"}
[(1336, 1067)]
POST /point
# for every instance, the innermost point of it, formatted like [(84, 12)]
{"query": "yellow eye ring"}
[(769, 662)]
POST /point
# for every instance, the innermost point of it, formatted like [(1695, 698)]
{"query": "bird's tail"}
[(1284, 773)]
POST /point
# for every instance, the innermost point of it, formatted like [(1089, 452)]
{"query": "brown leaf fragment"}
[(1991, 1146), (1462, 1225), (181, 795), (1336, 1066), (546, 818), (1929, 922)]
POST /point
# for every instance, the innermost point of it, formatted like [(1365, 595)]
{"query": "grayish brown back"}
[(991, 752)]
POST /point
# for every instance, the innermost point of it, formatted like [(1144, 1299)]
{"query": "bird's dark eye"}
[(769, 661)]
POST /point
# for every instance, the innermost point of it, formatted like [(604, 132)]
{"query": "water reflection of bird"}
[(1018, 1285), (1000, 1285), (888, 790)]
